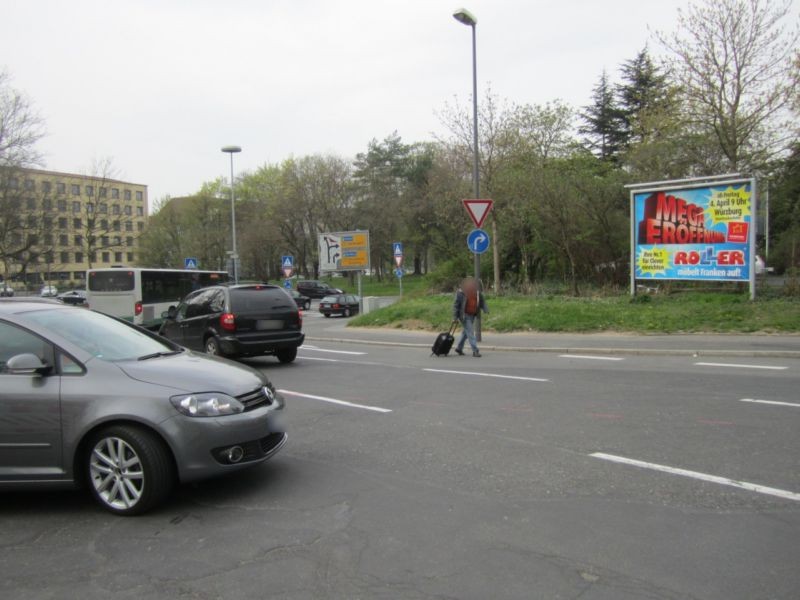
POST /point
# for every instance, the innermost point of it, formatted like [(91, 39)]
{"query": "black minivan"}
[(316, 289), (237, 320)]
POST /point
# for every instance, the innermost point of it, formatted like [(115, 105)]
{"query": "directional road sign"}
[(398, 272), (189, 263), (478, 210), (478, 241)]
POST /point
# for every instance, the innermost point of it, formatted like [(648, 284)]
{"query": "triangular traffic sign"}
[(399, 260), (478, 210), (287, 272)]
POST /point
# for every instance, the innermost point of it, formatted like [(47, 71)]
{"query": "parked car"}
[(89, 400), (6, 291), (73, 297), (301, 301), (237, 320), (316, 289), (48, 291), (340, 304)]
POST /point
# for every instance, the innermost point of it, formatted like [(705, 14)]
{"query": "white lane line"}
[(484, 375), (775, 402), (335, 401), (317, 358), (588, 357), (738, 366), (315, 349), (753, 487)]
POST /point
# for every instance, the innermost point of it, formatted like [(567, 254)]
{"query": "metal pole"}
[(476, 186), (766, 225), (234, 256)]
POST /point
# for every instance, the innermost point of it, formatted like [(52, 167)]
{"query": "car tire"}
[(286, 355), (307, 305), (212, 347), (129, 469), (346, 312), (327, 315)]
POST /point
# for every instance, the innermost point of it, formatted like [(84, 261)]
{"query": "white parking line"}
[(588, 357), (753, 487), (315, 349), (738, 366), (317, 358), (775, 402), (335, 401), (484, 375)]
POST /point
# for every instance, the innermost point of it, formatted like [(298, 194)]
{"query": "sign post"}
[(478, 210), (397, 248)]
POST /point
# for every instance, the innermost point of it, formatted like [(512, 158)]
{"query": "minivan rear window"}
[(249, 299)]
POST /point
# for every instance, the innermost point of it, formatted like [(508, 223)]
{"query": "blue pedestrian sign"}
[(398, 273), (287, 262), (189, 263), (478, 241), (398, 248), (287, 283)]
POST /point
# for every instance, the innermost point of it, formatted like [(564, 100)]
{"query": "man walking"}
[(469, 300)]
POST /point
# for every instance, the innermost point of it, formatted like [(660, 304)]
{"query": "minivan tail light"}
[(228, 322), (137, 309), (300, 318), (336, 305)]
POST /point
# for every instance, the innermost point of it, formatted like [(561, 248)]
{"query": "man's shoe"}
[(459, 352), (476, 354)]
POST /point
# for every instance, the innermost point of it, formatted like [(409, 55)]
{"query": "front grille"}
[(260, 397)]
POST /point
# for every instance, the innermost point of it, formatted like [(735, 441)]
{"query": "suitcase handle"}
[(453, 327)]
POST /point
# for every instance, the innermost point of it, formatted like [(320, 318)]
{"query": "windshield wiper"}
[(158, 354)]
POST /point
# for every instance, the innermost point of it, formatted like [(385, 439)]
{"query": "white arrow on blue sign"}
[(398, 248), (189, 263), (398, 272), (478, 241), (287, 262)]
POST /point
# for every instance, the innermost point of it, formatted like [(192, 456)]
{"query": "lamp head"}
[(231, 149), (462, 15)]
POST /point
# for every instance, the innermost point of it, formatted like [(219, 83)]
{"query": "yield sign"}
[(478, 210)]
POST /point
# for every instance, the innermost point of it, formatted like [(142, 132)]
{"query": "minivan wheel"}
[(346, 312), (129, 469), (307, 305), (286, 355), (212, 346)]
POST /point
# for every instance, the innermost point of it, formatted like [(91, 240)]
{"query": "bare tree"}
[(21, 127), (733, 58)]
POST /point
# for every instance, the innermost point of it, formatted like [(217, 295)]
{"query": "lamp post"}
[(234, 256), (462, 15)]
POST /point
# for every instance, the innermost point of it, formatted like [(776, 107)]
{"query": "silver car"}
[(86, 399)]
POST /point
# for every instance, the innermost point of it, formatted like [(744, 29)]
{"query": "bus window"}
[(111, 281)]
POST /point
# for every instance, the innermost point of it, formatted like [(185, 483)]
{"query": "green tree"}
[(604, 127)]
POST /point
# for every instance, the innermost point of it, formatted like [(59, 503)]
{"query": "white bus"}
[(141, 295)]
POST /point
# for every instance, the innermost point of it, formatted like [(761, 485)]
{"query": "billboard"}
[(344, 251), (698, 232)]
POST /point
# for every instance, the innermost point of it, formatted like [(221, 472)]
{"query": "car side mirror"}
[(26, 364), (170, 313)]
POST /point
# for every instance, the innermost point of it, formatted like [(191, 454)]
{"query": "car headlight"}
[(209, 404)]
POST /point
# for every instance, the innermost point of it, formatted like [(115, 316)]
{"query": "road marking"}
[(315, 349), (484, 375), (588, 357), (775, 402), (753, 487), (335, 401), (707, 364), (320, 359)]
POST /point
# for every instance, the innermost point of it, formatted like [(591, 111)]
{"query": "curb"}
[(572, 350)]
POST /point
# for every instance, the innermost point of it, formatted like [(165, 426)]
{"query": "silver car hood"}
[(190, 372)]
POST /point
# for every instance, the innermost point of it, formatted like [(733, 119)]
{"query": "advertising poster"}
[(700, 233)]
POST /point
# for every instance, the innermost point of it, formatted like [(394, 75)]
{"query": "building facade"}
[(54, 226)]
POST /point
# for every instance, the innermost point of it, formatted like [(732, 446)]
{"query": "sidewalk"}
[(743, 345)]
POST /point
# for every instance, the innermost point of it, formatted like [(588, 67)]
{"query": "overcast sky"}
[(161, 85)]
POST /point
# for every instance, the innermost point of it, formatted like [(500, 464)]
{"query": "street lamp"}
[(234, 256), (462, 15)]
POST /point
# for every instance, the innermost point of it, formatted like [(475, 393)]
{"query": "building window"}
[(117, 240), (47, 222), (62, 222), (139, 211), (129, 241), (31, 203), (13, 183), (139, 196), (104, 224), (118, 257), (116, 226), (77, 223), (33, 222), (64, 257), (89, 189), (92, 257), (79, 274), (79, 240), (48, 239), (76, 206), (140, 226), (47, 204), (61, 188), (89, 208), (75, 189), (128, 210), (130, 257), (115, 209), (103, 209), (114, 193), (29, 185), (104, 241), (127, 195), (102, 192), (62, 205), (46, 187), (128, 226), (106, 257), (63, 239)]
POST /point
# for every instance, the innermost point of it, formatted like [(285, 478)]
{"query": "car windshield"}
[(99, 334)]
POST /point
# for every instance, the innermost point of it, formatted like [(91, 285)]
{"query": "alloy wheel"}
[(116, 473)]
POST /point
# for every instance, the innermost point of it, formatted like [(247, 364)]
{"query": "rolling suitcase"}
[(444, 341)]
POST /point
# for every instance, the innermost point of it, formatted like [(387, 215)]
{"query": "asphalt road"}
[(516, 475)]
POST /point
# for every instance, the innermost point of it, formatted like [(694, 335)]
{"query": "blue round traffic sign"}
[(398, 272), (478, 241)]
